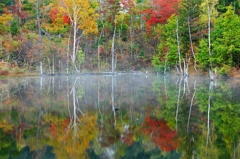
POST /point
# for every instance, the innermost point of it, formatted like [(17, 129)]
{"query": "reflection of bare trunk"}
[(165, 87), (113, 107), (53, 80), (74, 117), (178, 101), (68, 99), (165, 64), (209, 106), (41, 81), (41, 71), (190, 111), (53, 65), (98, 101)]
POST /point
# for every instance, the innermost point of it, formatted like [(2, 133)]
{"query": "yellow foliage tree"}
[(5, 22), (83, 18)]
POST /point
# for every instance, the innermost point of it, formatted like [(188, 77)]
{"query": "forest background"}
[(66, 36)]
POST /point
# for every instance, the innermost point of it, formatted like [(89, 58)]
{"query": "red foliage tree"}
[(160, 133), (54, 15), (159, 12)]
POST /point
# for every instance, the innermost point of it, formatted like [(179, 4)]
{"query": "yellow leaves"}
[(6, 126), (208, 7), (81, 12), (5, 18), (5, 22), (73, 141), (120, 17)]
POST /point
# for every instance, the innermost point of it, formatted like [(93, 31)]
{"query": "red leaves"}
[(53, 129), (127, 138), (54, 15), (159, 12), (160, 133)]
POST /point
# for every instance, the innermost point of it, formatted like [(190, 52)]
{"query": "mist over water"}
[(122, 116)]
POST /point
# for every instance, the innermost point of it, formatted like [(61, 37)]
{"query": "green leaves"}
[(167, 49), (81, 56), (14, 27), (226, 35)]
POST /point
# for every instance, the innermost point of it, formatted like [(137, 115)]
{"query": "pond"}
[(142, 116)]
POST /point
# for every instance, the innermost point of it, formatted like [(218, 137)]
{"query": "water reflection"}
[(125, 116)]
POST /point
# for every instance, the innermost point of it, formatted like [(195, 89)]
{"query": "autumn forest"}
[(70, 36)]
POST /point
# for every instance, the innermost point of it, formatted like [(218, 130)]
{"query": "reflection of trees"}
[(179, 109), (160, 133), (81, 116), (72, 142)]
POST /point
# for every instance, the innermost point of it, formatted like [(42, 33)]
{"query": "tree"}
[(168, 47), (209, 16), (4, 23), (159, 12), (225, 37), (83, 18)]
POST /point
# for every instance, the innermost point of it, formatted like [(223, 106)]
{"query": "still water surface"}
[(125, 116)]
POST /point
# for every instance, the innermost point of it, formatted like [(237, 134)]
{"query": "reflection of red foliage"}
[(160, 133), (53, 129), (127, 138), (54, 14), (56, 128), (65, 123)]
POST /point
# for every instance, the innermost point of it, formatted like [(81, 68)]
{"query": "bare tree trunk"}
[(68, 52), (49, 64), (38, 21), (74, 41), (165, 66), (179, 52), (98, 48), (191, 43), (131, 36), (74, 51), (209, 41), (112, 49)]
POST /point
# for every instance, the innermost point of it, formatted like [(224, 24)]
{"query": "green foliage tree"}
[(226, 46), (14, 27), (167, 49)]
